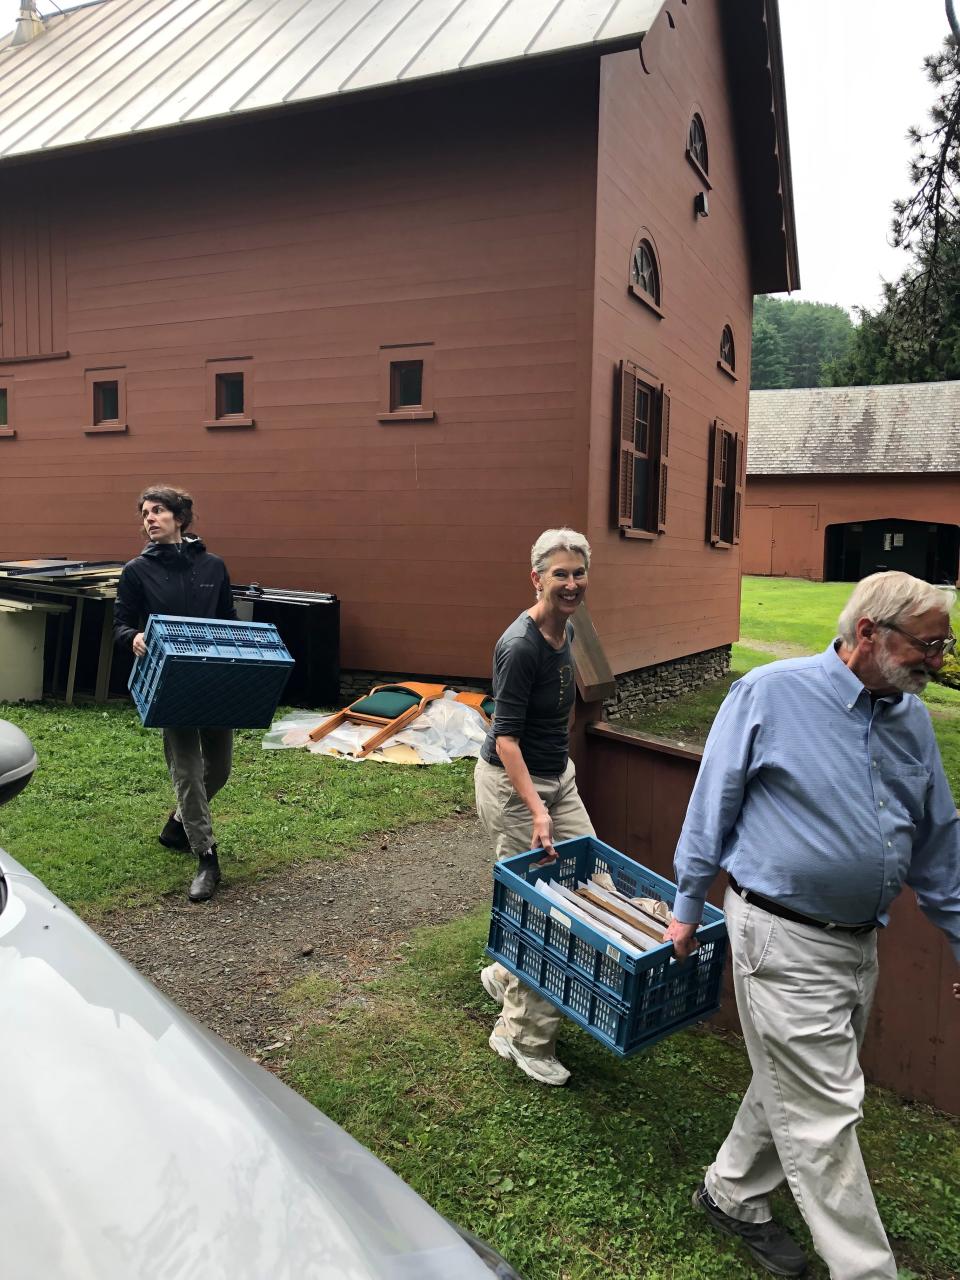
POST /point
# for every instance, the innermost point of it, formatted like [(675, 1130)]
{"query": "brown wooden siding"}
[(673, 595), (32, 274), (461, 217), (637, 794), (786, 517)]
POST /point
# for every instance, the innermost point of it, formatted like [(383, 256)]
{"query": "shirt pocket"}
[(908, 785)]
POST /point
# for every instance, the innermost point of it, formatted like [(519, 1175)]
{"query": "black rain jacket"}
[(182, 579)]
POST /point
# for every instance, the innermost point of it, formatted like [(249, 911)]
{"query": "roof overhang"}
[(754, 53)]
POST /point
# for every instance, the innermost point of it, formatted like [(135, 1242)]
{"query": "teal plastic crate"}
[(626, 1002), (209, 674)]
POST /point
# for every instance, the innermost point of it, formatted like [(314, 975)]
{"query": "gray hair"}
[(553, 540), (888, 597)]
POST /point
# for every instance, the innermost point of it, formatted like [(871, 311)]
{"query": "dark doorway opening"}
[(929, 551)]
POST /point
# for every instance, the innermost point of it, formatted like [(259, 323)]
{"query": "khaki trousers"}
[(804, 996), (529, 1021), (199, 761)]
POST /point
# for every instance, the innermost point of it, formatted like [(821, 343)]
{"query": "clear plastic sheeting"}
[(447, 730)]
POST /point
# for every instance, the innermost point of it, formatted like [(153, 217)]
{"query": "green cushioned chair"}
[(389, 707)]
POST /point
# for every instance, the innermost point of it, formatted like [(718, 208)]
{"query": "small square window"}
[(106, 402), (229, 394), (405, 380), (106, 392), (6, 411), (406, 384)]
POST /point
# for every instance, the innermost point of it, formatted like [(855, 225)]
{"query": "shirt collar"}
[(848, 686)]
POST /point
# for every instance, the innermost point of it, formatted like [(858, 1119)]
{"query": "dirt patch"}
[(229, 961), (779, 649)]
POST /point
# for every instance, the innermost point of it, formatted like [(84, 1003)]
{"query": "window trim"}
[(730, 369), (109, 426), (8, 431), (406, 353), (655, 304), (628, 374), (228, 421), (719, 483), (702, 173)]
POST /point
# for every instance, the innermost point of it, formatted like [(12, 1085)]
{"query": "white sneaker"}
[(544, 1070), (492, 984)]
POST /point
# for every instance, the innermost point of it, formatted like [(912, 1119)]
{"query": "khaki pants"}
[(529, 1021), (804, 996), (199, 761)]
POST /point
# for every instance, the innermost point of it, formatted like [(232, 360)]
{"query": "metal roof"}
[(855, 430), (126, 67)]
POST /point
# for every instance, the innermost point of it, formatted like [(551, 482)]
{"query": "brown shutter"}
[(715, 483), (628, 403), (741, 457), (663, 460)]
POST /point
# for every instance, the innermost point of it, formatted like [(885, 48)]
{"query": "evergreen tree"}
[(793, 340), (769, 367)]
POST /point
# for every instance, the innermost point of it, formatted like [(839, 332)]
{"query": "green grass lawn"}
[(795, 617), (87, 825), (591, 1182)]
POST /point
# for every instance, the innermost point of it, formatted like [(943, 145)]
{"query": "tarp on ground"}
[(447, 730)]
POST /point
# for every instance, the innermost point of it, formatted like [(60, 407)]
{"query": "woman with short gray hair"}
[(525, 780)]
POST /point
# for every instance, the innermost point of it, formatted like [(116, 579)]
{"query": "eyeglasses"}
[(929, 648)]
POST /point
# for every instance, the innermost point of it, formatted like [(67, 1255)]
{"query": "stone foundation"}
[(649, 685)]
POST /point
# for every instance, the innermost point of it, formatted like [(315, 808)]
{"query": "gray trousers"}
[(804, 996), (199, 761), (529, 1020)]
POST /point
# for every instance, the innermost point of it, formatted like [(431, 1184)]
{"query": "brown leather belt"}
[(777, 909)]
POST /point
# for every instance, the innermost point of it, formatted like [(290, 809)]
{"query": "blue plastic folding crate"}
[(207, 673), (626, 1002)]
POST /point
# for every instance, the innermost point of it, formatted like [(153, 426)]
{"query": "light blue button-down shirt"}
[(813, 796)]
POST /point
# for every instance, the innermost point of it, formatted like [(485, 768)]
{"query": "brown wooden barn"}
[(391, 287), (846, 481)]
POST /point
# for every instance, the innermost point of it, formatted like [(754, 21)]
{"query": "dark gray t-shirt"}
[(534, 690)]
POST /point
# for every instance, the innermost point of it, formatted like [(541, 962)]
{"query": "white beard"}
[(906, 679)]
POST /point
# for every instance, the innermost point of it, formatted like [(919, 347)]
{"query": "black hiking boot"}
[(173, 835), (207, 878), (772, 1245)]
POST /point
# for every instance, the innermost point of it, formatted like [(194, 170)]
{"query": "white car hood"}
[(135, 1144)]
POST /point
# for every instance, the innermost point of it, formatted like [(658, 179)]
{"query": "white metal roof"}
[(120, 67), (855, 430)]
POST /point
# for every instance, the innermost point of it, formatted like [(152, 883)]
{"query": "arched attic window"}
[(728, 352), (697, 146), (645, 273)]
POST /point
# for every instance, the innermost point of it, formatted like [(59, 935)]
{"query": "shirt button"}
[(891, 884), (889, 844), (880, 803), (876, 763), (849, 706)]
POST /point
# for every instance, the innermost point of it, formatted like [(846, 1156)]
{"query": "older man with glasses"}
[(821, 794)]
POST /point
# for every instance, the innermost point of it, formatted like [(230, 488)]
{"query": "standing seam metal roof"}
[(120, 67), (855, 430)]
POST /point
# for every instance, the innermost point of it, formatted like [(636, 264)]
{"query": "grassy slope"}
[(799, 616), (87, 824), (592, 1182)]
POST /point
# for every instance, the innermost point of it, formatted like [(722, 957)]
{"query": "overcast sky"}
[(854, 85)]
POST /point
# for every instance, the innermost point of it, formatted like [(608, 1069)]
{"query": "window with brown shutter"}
[(33, 282), (642, 453), (727, 461)]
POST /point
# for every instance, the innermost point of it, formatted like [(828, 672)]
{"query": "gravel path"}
[(229, 961)]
